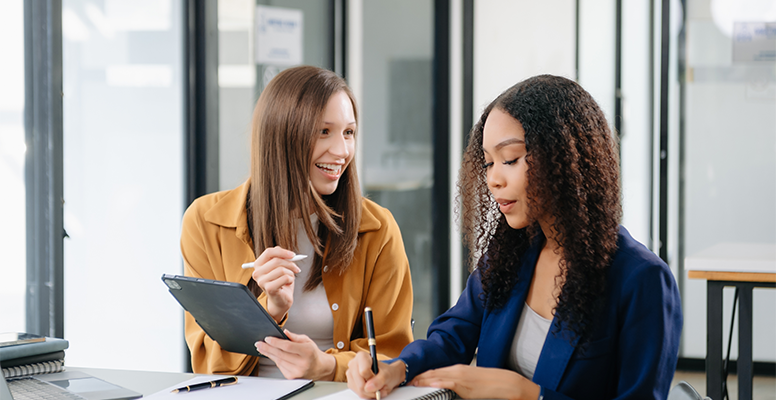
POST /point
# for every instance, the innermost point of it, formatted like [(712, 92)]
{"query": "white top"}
[(528, 342), (310, 314)]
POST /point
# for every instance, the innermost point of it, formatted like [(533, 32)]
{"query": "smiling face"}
[(335, 144), (503, 144)]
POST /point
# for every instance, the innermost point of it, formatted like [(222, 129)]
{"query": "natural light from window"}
[(12, 151)]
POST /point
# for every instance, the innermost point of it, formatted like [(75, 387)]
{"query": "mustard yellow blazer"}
[(215, 242)]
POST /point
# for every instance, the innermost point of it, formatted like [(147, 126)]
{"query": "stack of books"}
[(23, 354)]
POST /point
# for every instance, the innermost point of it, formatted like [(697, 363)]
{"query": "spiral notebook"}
[(401, 393), (45, 367)]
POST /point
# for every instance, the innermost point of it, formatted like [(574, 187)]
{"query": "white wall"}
[(596, 52), (635, 133), (514, 40)]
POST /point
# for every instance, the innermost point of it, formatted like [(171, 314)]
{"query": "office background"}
[(156, 106)]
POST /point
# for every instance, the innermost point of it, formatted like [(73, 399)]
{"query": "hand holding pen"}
[(275, 274), (298, 257), (366, 376), (370, 334), (205, 385)]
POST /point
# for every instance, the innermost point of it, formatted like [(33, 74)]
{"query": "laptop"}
[(69, 385)]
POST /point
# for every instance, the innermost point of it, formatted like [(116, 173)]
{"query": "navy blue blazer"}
[(631, 353)]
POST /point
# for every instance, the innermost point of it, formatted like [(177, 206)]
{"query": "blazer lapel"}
[(499, 325), (556, 353)]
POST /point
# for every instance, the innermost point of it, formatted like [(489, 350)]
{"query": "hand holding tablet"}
[(227, 312)]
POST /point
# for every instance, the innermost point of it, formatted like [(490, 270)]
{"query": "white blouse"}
[(528, 342), (310, 314)]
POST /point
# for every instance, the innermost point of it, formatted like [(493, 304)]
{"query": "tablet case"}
[(226, 311)]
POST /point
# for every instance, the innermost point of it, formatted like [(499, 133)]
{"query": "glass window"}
[(241, 79), (729, 155), (123, 182), (396, 131), (12, 153)]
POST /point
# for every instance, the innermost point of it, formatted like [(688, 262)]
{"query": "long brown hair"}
[(573, 177), (286, 119)]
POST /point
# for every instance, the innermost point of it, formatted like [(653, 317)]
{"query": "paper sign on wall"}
[(754, 41), (278, 35)]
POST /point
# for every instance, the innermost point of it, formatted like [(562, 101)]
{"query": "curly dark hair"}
[(572, 177)]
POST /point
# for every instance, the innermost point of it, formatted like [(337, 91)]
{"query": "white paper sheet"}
[(247, 387)]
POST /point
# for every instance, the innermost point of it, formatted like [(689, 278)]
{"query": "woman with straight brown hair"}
[(303, 197)]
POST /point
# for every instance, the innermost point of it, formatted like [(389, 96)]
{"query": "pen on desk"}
[(298, 257), (204, 385), (370, 334)]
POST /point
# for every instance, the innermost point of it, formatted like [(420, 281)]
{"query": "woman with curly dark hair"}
[(563, 303)]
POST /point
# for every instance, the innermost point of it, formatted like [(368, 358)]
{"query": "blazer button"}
[(340, 345), (335, 306)]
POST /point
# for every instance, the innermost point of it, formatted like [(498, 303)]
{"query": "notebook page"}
[(400, 393)]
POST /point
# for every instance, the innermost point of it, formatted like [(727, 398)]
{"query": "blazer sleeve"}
[(389, 294), (207, 357), (649, 332), (649, 340), (452, 337)]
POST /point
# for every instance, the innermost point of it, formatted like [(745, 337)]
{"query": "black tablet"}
[(226, 311)]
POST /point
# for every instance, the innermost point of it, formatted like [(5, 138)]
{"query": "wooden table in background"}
[(745, 282), (744, 266)]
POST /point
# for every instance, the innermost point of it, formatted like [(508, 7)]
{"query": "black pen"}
[(204, 385), (370, 334)]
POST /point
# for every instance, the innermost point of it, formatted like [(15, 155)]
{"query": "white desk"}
[(147, 383), (744, 266)]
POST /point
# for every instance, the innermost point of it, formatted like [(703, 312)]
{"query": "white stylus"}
[(298, 257)]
